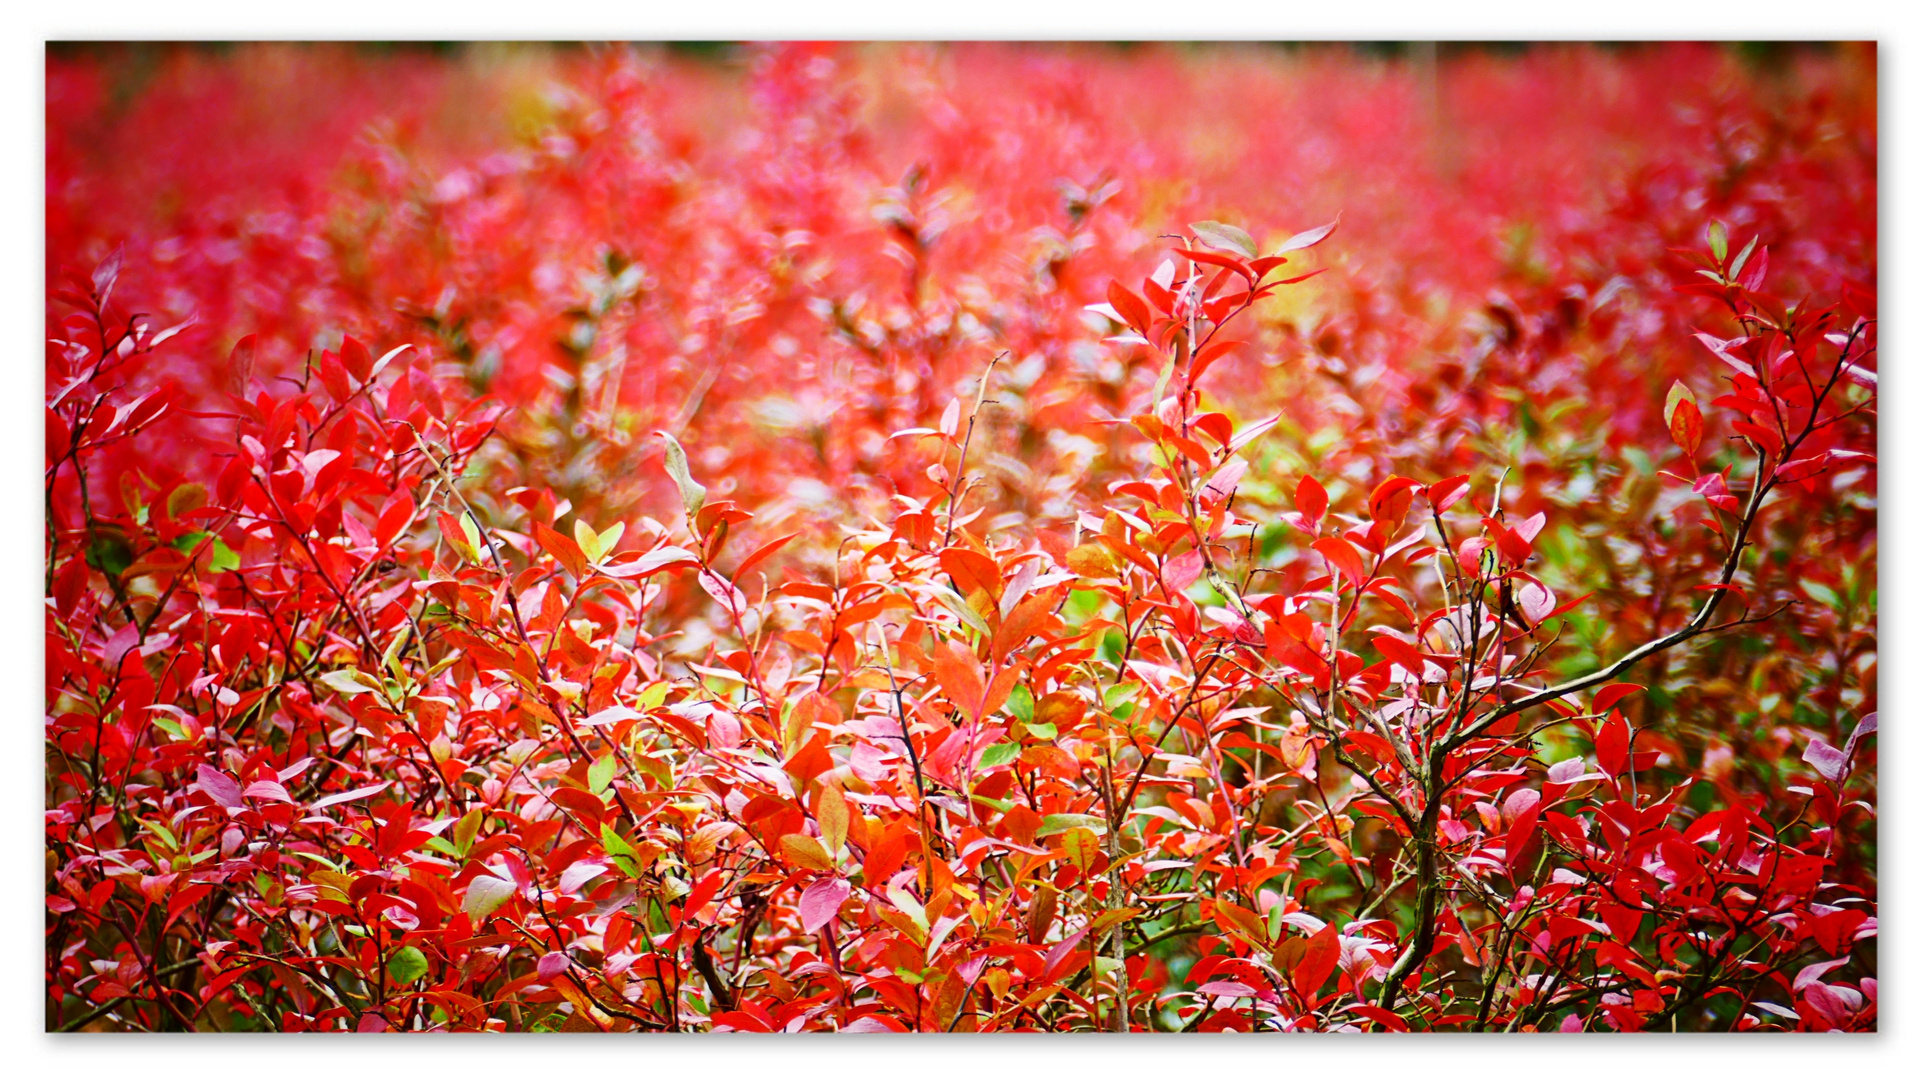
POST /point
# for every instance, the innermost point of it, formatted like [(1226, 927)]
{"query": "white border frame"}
[(921, 1057)]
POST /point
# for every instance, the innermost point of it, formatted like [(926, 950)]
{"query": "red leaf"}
[(1205, 357), (1446, 492), (1609, 696), (397, 514), (1390, 500), (1310, 499), (1181, 571), (1686, 426), (240, 364), (1610, 745), (1341, 556), (971, 571), (1401, 655), (1129, 305), (1238, 266), (1317, 961), (1383, 1017), (760, 554), (349, 796)]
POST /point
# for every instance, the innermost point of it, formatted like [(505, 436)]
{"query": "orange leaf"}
[(1685, 424), (971, 571), (761, 553), (562, 548), (960, 677)]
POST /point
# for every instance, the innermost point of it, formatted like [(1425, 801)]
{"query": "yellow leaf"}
[(805, 851), (1090, 560), (833, 819)]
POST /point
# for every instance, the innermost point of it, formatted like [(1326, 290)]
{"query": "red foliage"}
[(826, 549)]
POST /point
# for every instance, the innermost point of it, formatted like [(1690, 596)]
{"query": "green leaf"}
[(170, 727), (1677, 393), (600, 774), (999, 754), (610, 539), (960, 608), (1081, 847), (588, 540), (1717, 240), (347, 681), (406, 966), (596, 545), (692, 494), (1740, 260), (1225, 237), (472, 530), (465, 830), (1020, 703), (654, 696), (223, 557), (1059, 823), (109, 552), (485, 895), (656, 768), (391, 658), (165, 834), (614, 843), (1043, 731)]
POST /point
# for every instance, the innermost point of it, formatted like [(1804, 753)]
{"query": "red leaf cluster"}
[(860, 539)]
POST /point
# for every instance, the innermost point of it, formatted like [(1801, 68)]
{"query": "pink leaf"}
[(1822, 1000), (577, 875), (552, 964), (1307, 239), (1868, 724), (1719, 348), (1568, 771), (1521, 801), (349, 796), (1536, 601), (1226, 480), (1181, 571), (1229, 988), (224, 789), (821, 902), (1812, 972), (267, 789), (1825, 759)]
